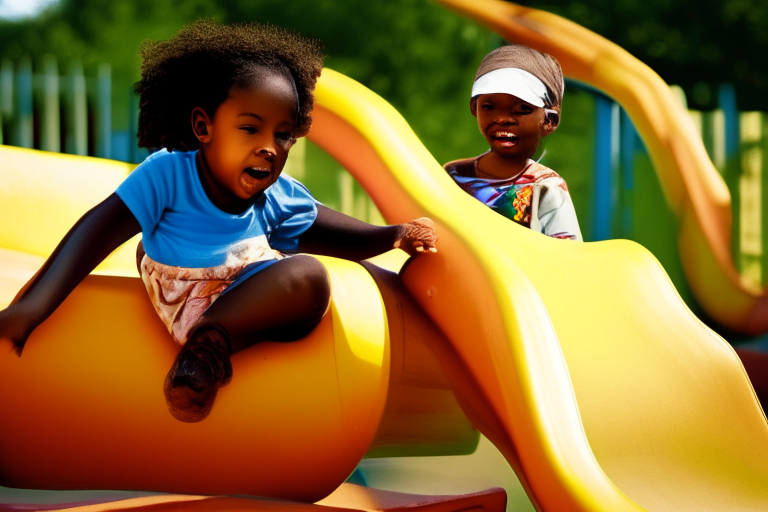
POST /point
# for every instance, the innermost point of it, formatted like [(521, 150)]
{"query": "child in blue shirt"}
[(218, 220), (517, 98)]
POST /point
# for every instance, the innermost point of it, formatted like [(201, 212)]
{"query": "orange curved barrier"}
[(93, 373), (694, 189), (83, 408)]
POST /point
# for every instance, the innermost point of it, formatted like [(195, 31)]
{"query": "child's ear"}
[(201, 125), (473, 106), (551, 122)]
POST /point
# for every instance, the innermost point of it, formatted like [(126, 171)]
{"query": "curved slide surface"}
[(579, 361), (692, 185)]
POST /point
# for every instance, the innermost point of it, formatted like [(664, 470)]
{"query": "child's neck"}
[(219, 196), (494, 166)]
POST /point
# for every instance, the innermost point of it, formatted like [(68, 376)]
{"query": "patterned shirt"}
[(537, 198)]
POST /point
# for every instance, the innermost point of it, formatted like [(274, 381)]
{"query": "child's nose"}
[(265, 148), (506, 118), (268, 153)]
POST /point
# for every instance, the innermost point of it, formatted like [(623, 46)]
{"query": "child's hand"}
[(15, 328), (417, 236)]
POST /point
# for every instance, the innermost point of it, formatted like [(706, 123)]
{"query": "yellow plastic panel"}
[(84, 406), (43, 194), (666, 418), (692, 185)]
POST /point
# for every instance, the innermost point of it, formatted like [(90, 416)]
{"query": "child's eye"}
[(283, 136), (248, 129), (487, 107)]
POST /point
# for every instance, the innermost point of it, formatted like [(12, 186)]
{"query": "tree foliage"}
[(418, 56), (697, 44)]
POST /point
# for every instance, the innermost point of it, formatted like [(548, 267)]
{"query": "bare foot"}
[(200, 369)]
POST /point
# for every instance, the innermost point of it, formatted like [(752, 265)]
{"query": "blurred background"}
[(67, 69)]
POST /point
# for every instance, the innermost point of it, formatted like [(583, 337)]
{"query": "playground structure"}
[(580, 362)]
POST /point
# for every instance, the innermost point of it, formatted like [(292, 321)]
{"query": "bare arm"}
[(99, 232), (341, 236)]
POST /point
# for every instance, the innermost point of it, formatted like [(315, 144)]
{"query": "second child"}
[(517, 99)]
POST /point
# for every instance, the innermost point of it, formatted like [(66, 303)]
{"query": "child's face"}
[(511, 126), (245, 145)]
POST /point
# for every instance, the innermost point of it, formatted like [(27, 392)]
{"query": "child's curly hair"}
[(200, 64)]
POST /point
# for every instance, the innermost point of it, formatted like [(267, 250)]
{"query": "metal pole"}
[(50, 136), (6, 100), (103, 103), (628, 145), (727, 101), (606, 163), (76, 136), (24, 130)]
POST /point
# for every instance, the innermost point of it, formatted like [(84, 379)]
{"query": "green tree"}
[(697, 44)]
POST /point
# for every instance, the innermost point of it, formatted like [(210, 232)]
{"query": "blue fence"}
[(616, 143), (68, 113)]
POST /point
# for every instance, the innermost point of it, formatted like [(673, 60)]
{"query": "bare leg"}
[(281, 303), (284, 302)]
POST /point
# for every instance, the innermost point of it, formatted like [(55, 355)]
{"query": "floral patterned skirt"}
[(181, 295)]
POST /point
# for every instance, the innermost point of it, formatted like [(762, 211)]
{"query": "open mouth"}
[(505, 138), (258, 174)]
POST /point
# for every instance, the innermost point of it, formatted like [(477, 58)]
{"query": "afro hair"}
[(200, 64)]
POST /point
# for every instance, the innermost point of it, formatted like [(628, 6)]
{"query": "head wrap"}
[(515, 69)]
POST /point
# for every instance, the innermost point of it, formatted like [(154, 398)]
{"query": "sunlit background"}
[(19, 9)]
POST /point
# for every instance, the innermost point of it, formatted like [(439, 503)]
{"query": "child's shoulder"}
[(173, 165), (286, 184), (165, 157), (163, 169), (538, 173), (463, 167), (288, 189)]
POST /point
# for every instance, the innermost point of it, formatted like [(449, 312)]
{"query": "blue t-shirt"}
[(182, 228)]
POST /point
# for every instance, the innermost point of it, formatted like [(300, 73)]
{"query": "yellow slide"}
[(692, 185), (580, 362)]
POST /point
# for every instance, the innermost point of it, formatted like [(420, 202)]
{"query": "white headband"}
[(514, 81)]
